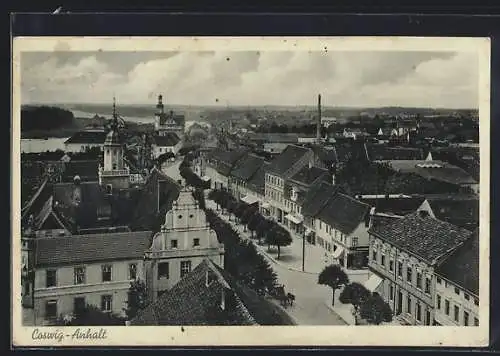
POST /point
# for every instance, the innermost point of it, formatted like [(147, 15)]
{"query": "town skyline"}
[(367, 79)]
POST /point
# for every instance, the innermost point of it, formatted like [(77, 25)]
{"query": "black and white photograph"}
[(231, 182)]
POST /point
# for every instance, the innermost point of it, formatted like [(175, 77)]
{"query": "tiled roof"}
[(462, 266), (379, 220), (327, 155), (423, 236), (168, 140), (458, 209), (274, 137), (396, 206), (258, 181), (384, 153), (247, 166), (287, 159), (344, 213), (444, 172), (74, 250), (307, 175), (224, 160), (88, 137), (192, 302), (317, 197)]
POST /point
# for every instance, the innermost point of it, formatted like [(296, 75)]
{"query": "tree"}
[(254, 222), (355, 294), (278, 236), (137, 298), (334, 277), (247, 216), (90, 315), (164, 157), (375, 310), (199, 196)]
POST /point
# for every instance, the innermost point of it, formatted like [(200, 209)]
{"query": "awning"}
[(294, 218), (205, 178), (338, 252), (249, 199), (373, 283), (265, 205)]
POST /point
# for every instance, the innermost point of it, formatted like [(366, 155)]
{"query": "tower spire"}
[(114, 122)]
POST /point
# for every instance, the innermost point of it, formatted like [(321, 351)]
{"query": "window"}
[(196, 242), (456, 312), (114, 166), (79, 275), (391, 265), (476, 322), (185, 268), (106, 273), (466, 318), (383, 259), (51, 309), (400, 269), (163, 270), (374, 256), (438, 280), (447, 307), (427, 285), (419, 312), (408, 304), (476, 301), (78, 305), (106, 303), (173, 243), (457, 291), (391, 292), (408, 274), (51, 278), (438, 302), (466, 296), (419, 280), (132, 271), (428, 317)]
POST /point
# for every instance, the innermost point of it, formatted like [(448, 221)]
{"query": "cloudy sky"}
[(358, 79)]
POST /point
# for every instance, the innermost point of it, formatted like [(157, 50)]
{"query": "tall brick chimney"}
[(318, 124)]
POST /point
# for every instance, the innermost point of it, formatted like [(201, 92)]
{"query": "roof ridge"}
[(106, 234)]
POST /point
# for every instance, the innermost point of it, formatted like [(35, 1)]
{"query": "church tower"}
[(114, 174), (160, 114)]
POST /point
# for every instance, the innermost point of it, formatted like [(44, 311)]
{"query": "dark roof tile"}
[(344, 213), (247, 167), (74, 250), (169, 139), (286, 159), (423, 236)]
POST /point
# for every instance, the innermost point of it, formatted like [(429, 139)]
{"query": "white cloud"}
[(252, 78)]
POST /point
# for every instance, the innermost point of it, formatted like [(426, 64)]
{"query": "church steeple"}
[(160, 106)]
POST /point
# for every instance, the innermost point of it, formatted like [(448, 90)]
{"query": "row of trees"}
[(369, 306), (265, 230), (242, 259)]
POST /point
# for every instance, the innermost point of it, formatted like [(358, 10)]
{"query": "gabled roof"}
[(308, 175), (286, 159), (247, 167), (258, 181), (224, 160), (344, 213), (192, 302), (169, 139), (317, 197), (56, 251), (423, 236), (87, 137), (462, 266)]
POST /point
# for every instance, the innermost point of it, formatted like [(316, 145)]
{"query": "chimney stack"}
[(318, 124)]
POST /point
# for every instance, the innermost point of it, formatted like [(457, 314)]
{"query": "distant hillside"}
[(43, 121)]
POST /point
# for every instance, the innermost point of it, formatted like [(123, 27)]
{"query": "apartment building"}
[(403, 258), (72, 272), (457, 286)]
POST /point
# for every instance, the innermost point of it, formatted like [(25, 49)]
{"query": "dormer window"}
[(294, 194)]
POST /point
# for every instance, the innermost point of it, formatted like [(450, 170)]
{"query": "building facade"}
[(71, 273), (183, 242), (403, 258), (168, 122)]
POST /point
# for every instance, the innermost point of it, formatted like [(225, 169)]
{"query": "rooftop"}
[(459, 209), (344, 213), (423, 236), (385, 153), (169, 139), (437, 170), (247, 167), (283, 162), (308, 175), (462, 266), (317, 197), (74, 250)]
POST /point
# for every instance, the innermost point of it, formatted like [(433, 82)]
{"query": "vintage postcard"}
[(176, 191)]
